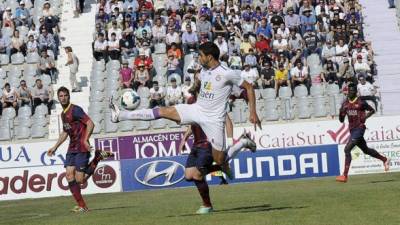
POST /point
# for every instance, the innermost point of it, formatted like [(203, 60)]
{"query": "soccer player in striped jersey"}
[(357, 112), (78, 127)]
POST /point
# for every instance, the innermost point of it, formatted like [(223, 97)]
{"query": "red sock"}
[(202, 186), (75, 189), (347, 163), (381, 157), (92, 165)]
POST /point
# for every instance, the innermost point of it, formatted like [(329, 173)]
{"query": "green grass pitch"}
[(364, 200)]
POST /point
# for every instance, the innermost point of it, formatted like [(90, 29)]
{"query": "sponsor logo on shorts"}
[(104, 176), (160, 173)]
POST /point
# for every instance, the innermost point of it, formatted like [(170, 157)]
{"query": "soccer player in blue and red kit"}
[(78, 127), (357, 112)]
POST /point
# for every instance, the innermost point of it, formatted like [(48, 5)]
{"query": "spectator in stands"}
[(142, 77), (292, 20), (328, 51), (73, 64), (251, 59), (9, 98), (233, 45), (157, 95), (8, 18), (46, 41), (34, 32), (159, 32), (194, 66), (42, 95), (295, 41), (346, 71), (360, 66), (222, 46), (47, 66), (185, 89), (330, 72), (189, 40), (307, 21), (21, 14), (267, 75), (235, 62), (172, 64), (100, 48), (281, 77), (32, 45), (127, 45), (299, 75), (262, 45), (17, 44), (24, 94), (245, 45), (204, 28), (174, 50), (113, 48), (367, 91), (174, 94), (250, 75), (115, 30), (172, 37), (126, 75), (5, 44), (391, 4)]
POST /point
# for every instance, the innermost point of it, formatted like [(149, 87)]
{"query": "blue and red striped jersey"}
[(74, 124)]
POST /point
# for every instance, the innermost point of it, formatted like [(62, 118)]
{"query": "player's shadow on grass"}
[(110, 208), (249, 209), (381, 181)]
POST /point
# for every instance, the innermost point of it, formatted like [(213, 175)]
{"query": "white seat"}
[(317, 90), (173, 124), (30, 80), (32, 58), (142, 125), (260, 109), (24, 111), (99, 65), (5, 134), (25, 121), (113, 64), (8, 113), (14, 82), (41, 110), (46, 79), (160, 48), (177, 78), (17, 58), (268, 93), (97, 85), (300, 91), (4, 59), (285, 92), (158, 124), (333, 89), (287, 109), (22, 132), (143, 92), (126, 125), (38, 131), (3, 74), (319, 108), (303, 108), (109, 127), (271, 110), (98, 127)]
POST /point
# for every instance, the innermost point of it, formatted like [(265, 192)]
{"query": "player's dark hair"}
[(63, 89), (209, 48)]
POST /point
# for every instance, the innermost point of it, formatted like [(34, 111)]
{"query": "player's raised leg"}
[(362, 144), (98, 156), (143, 114), (347, 161)]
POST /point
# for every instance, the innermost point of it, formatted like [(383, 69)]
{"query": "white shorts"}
[(213, 128)]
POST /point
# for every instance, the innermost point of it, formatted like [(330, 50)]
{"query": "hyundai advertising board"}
[(277, 164)]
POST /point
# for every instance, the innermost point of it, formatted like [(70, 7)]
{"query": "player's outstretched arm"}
[(63, 136), (252, 104), (369, 109)]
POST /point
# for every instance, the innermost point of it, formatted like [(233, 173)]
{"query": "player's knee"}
[(70, 176)]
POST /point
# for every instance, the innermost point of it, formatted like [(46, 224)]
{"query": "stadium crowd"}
[(270, 41), (29, 35)]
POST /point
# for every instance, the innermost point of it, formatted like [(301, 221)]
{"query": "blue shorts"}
[(357, 133), (201, 158), (78, 159)]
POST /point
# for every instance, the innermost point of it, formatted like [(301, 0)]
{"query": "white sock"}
[(234, 150), (141, 114)]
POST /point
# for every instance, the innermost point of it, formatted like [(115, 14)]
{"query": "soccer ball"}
[(130, 100)]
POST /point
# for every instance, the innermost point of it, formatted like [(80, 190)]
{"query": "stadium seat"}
[(24, 121), (2, 83), (5, 133), (46, 79), (143, 92), (4, 59), (303, 108), (333, 89), (30, 81), (99, 65), (173, 124), (98, 127), (14, 81), (268, 93), (3, 74), (38, 131), (236, 114), (142, 125), (300, 91), (317, 90), (160, 48), (287, 112), (39, 120), (97, 85), (113, 65), (32, 58), (17, 58), (188, 60), (162, 80), (8, 113), (24, 111), (126, 125), (41, 110), (271, 110), (260, 109), (22, 132), (109, 127), (144, 103), (319, 108), (158, 124), (257, 92), (95, 107), (177, 78), (285, 92), (7, 31), (23, 31)]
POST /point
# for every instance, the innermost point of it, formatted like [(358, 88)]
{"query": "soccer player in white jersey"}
[(209, 112)]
